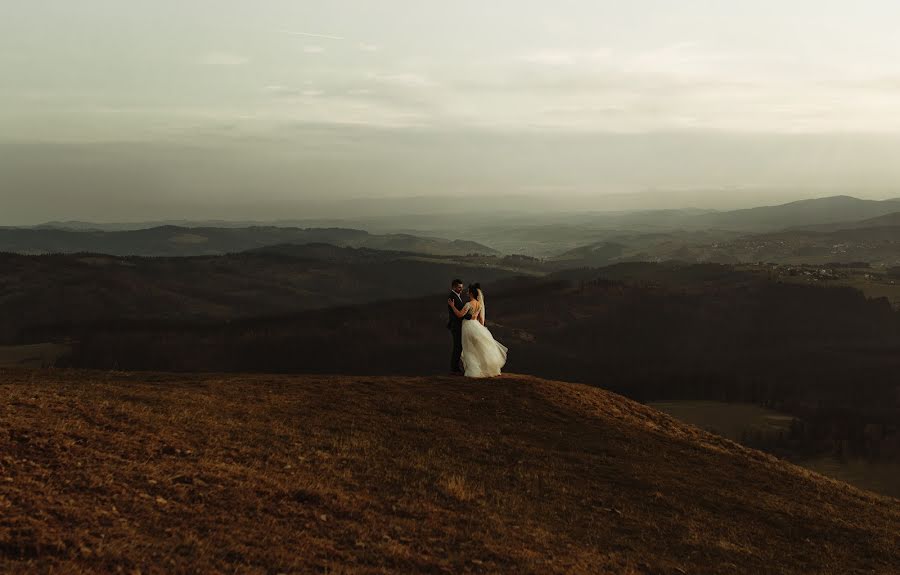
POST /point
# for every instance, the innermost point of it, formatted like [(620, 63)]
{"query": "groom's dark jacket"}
[(454, 322)]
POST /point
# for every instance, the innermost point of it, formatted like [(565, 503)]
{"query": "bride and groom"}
[(475, 351)]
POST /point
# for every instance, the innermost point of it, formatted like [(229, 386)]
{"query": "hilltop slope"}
[(267, 474)]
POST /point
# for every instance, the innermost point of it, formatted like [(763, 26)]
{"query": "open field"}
[(163, 473), (737, 421), (874, 287)]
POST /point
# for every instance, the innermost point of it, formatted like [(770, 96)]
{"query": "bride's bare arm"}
[(456, 311)]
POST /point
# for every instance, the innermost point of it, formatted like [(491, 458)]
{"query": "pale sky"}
[(204, 100)]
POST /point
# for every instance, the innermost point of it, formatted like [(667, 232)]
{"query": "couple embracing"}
[(475, 351)]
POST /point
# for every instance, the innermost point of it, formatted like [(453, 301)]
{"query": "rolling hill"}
[(888, 220), (184, 241), (873, 245), (660, 234), (77, 288), (875, 241), (646, 234), (827, 355), (782, 233), (163, 473), (686, 246), (801, 213)]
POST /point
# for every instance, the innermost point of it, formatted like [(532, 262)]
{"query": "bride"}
[(482, 355)]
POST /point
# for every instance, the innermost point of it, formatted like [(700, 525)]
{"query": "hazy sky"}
[(190, 108)]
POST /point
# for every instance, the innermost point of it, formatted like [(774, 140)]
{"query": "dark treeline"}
[(81, 289), (828, 355)]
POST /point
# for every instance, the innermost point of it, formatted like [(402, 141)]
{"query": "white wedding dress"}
[(482, 355)]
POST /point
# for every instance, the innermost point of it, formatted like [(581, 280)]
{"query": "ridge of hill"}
[(159, 472), (891, 219), (800, 213), (73, 288), (815, 245), (723, 237), (172, 240), (871, 244), (685, 234)]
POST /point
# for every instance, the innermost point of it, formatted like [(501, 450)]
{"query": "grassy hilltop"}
[(162, 473)]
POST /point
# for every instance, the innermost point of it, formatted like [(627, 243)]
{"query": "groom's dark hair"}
[(456, 283)]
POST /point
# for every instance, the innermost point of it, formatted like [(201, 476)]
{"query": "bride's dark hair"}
[(475, 289)]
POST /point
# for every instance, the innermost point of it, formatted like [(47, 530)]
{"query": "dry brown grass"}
[(162, 473)]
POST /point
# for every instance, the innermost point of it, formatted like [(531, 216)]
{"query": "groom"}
[(454, 324)]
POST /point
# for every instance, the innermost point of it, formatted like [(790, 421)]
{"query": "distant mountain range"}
[(887, 220), (184, 241), (808, 212), (776, 234), (874, 245), (810, 231), (795, 214)]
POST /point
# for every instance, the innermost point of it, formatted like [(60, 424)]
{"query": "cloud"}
[(407, 79), (223, 59), (564, 58), (279, 91), (674, 86), (361, 46), (312, 35), (552, 58), (387, 100)]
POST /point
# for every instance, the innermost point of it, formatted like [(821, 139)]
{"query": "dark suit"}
[(454, 324)]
